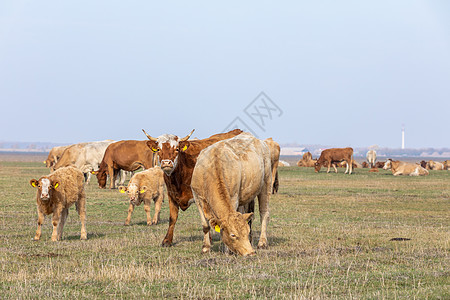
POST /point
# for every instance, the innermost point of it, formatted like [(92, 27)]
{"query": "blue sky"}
[(341, 73)]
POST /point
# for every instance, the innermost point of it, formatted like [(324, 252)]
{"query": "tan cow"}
[(307, 160), (53, 156), (404, 168), (329, 157), (229, 174), (446, 165), (371, 157), (435, 165), (144, 187), (274, 148), (56, 193)]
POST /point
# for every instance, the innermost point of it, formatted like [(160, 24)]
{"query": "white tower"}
[(403, 136)]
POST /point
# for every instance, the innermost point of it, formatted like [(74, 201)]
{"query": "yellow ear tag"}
[(122, 191), (217, 228), (154, 150), (142, 191), (185, 148), (33, 184), (56, 185)]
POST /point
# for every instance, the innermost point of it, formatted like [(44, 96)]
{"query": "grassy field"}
[(330, 237)]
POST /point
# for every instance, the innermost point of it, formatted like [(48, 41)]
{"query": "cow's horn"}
[(188, 136), (149, 137)]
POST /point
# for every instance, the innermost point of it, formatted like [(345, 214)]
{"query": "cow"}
[(283, 163), (424, 164), (435, 165), (145, 186), (335, 155), (177, 158), (403, 168), (229, 174), (379, 164), (274, 148), (128, 155), (84, 156), (365, 164), (446, 165), (306, 160), (371, 157), (53, 157), (56, 193)]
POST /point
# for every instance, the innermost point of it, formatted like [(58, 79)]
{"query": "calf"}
[(403, 168), (144, 187), (335, 155), (56, 193)]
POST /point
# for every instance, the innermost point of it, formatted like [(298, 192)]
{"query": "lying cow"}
[(329, 157), (435, 165), (229, 174), (56, 193), (145, 186), (403, 168), (380, 164), (446, 165)]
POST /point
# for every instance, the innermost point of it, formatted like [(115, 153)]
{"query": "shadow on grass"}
[(89, 236)]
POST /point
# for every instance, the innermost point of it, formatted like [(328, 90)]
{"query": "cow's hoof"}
[(166, 244), (262, 244), (206, 250), (83, 237)]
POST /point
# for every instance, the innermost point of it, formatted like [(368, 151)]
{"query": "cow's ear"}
[(248, 217), (143, 189), (56, 184), (122, 189), (184, 146), (153, 146), (215, 223), (34, 182), (94, 172)]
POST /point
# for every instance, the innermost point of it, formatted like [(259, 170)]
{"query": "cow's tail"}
[(276, 184)]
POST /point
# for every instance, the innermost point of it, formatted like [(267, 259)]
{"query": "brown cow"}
[(274, 148), (227, 175), (128, 155), (379, 164), (177, 158), (56, 193), (335, 155), (365, 164), (424, 164)]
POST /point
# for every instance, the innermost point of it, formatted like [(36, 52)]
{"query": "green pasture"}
[(331, 236)]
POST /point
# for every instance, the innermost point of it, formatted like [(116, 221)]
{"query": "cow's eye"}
[(232, 235)]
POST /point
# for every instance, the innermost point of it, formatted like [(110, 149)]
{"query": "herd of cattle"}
[(222, 175)]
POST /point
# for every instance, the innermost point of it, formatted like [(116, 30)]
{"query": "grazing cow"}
[(274, 148), (53, 157), (335, 155), (227, 175), (56, 193), (144, 187), (177, 158), (128, 155), (380, 164), (84, 156), (435, 165), (371, 157), (403, 168)]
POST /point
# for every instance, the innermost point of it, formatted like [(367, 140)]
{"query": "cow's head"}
[(102, 176), (133, 192), (45, 187), (234, 230), (317, 166), (168, 147), (387, 164)]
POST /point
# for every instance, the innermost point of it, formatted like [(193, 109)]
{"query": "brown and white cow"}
[(446, 165), (177, 158), (371, 157), (146, 186), (230, 174), (128, 155), (404, 168), (329, 157)]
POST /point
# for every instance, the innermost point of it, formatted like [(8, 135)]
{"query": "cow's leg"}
[(113, 180), (130, 211), (61, 223), (147, 211), (111, 176), (351, 165), (173, 208), (334, 167), (329, 165), (87, 177), (263, 200), (81, 209), (55, 222), (205, 224), (158, 204), (40, 222), (346, 167)]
